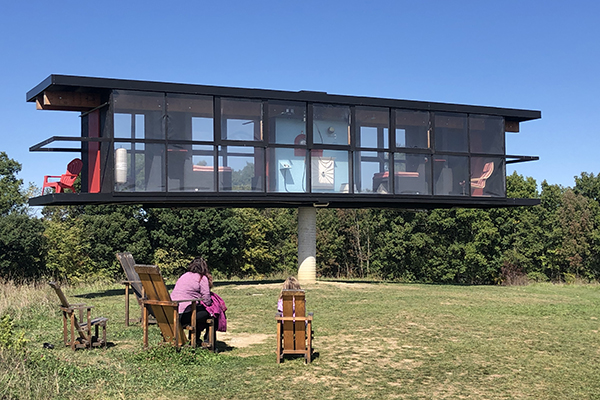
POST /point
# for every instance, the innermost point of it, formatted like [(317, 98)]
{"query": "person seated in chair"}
[(194, 284), (290, 283)]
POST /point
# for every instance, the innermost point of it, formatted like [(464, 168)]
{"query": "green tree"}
[(22, 245), (11, 197), (22, 248), (588, 185), (576, 222), (215, 234)]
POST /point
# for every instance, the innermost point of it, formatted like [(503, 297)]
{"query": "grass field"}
[(374, 340)]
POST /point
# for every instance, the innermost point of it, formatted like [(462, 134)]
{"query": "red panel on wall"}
[(94, 152)]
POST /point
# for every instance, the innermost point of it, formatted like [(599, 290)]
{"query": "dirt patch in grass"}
[(257, 286), (241, 340), (346, 285)]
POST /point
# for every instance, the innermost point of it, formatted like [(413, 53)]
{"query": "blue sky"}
[(515, 54)]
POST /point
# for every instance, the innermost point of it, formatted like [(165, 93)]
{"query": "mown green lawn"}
[(374, 340)]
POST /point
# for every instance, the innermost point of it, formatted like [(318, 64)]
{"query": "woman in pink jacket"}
[(194, 284)]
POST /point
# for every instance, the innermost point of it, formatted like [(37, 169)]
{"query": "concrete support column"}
[(307, 245)]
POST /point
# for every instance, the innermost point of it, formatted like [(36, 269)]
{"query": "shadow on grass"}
[(313, 357), (106, 293), (121, 292), (223, 347), (248, 283)]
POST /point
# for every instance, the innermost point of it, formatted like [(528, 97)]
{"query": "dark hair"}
[(199, 266)]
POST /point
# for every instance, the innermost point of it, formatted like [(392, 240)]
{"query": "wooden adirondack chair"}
[(294, 327), (84, 338), (66, 180), (166, 310), (133, 281)]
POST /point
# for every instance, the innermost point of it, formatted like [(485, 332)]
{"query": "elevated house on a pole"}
[(181, 145)]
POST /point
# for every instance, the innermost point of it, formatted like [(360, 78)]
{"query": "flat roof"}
[(83, 84)]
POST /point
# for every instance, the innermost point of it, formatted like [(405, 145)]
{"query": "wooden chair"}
[(166, 310), (294, 327), (66, 180), (85, 338), (133, 281)]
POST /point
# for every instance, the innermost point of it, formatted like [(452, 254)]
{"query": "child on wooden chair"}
[(290, 283)]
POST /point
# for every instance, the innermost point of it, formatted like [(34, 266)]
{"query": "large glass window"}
[(412, 174), (139, 167), (189, 117), (486, 134), (370, 172), (330, 171), (129, 126), (372, 127), (488, 177), (241, 119), (286, 170), (138, 115), (451, 132), (331, 124), (450, 175), (167, 142), (412, 129), (191, 168), (287, 123), (241, 168)]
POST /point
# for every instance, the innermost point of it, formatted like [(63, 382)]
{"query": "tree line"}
[(559, 240)]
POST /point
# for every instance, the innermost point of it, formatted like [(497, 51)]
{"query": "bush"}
[(512, 275), (537, 277), (9, 339)]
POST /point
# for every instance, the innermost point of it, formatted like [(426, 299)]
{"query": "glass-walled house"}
[(167, 144)]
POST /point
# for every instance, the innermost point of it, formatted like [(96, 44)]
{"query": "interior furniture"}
[(478, 184)]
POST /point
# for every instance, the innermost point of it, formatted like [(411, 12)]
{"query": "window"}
[(138, 115), (488, 177), (331, 124), (486, 134), (450, 175), (241, 120), (412, 174), (286, 170), (191, 168), (241, 168), (287, 123), (450, 132), (412, 129), (139, 167), (371, 171), (330, 171), (372, 127), (189, 117)]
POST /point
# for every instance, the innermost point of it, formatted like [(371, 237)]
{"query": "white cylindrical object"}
[(307, 245), (121, 165)]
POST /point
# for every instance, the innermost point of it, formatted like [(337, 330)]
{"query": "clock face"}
[(323, 172)]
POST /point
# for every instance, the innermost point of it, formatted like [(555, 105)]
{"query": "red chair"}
[(66, 180)]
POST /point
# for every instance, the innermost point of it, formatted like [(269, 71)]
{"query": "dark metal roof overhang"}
[(276, 200), (103, 86)]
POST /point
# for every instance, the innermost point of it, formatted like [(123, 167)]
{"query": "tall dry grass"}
[(14, 298)]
